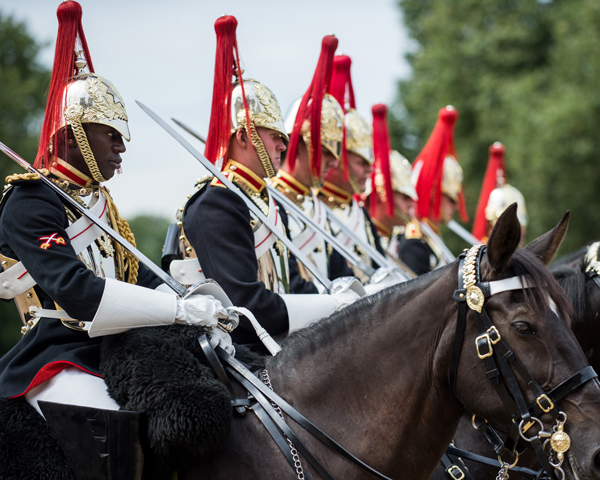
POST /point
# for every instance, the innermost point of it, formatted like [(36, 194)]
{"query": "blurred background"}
[(522, 72)]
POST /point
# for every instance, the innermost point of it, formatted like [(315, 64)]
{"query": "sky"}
[(162, 54)]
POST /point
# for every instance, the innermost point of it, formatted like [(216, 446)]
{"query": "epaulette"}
[(215, 182), (202, 181), (19, 177), (413, 231)]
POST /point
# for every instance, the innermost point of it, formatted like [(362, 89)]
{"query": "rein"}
[(498, 359)]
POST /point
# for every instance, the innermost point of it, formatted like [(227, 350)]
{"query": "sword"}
[(463, 233), (331, 239), (446, 253), (193, 133), (176, 286), (310, 223), (251, 206), (366, 246)]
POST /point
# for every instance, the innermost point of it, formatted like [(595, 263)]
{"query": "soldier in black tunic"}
[(73, 284), (221, 238)]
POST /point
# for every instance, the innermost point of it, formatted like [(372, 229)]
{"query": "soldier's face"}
[(447, 208), (361, 168), (275, 144), (107, 145), (328, 161), (405, 204)]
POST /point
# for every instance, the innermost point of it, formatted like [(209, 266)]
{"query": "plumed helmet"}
[(436, 169), (401, 172), (359, 135), (77, 95), (317, 117), (500, 199)]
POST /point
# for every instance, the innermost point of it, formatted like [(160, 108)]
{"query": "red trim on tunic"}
[(49, 370)]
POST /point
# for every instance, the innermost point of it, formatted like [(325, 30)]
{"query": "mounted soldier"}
[(437, 177), (72, 283), (345, 183), (391, 196), (221, 237), (496, 195)]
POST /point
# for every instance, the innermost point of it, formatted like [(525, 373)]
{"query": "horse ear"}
[(546, 246), (504, 239)]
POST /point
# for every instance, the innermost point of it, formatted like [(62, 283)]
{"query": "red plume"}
[(70, 29), (220, 115), (495, 170), (431, 158), (381, 152), (315, 93), (341, 88)]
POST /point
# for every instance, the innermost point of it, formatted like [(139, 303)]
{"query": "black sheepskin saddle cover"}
[(28, 449), (163, 373)]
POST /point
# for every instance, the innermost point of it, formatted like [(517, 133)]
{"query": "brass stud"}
[(188, 249), (30, 323), (462, 295), (180, 224), (299, 197), (81, 324), (4, 263), (29, 295), (233, 168), (23, 330)]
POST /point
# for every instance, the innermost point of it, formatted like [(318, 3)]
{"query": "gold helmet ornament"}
[(317, 118), (500, 199), (436, 170), (238, 103), (358, 134), (332, 121), (77, 95), (401, 171)]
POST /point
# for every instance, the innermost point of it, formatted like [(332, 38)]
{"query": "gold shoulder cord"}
[(127, 265), (475, 296), (26, 176)]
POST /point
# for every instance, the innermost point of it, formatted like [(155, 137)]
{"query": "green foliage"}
[(522, 72), (150, 232), (22, 81)]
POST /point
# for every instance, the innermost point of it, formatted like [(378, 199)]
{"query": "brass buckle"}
[(544, 397), (455, 472), (494, 333), (489, 342), (227, 328)]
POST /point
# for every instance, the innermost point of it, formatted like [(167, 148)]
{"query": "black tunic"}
[(217, 224), (31, 210), (416, 254)]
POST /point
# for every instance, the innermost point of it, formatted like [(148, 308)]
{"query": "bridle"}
[(592, 265), (500, 361)]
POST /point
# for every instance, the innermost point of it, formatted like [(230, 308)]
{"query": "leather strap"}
[(297, 417)]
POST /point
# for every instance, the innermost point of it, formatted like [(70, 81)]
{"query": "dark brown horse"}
[(375, 376), (584, 296)]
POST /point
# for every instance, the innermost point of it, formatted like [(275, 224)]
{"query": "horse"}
[(375, 376), (571, 273)]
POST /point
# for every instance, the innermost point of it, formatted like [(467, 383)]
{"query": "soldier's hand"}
[(204, 310)]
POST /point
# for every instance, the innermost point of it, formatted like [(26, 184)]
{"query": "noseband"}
[(499, 360)]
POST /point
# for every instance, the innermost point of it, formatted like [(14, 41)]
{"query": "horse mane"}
[(570, 259), (523, 262), (573, 283), (322, 332)]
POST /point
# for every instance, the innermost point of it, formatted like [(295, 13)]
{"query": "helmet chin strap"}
[(263, 155)]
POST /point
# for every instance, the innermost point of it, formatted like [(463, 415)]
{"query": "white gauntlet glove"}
[(346, 290), (202, 310)]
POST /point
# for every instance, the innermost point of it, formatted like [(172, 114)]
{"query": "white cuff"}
[(125, 306), (305, 309)]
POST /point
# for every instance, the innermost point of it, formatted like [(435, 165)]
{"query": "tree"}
[(21, 109), (522, 72), (150, 232)]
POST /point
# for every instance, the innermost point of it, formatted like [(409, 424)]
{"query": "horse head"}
[(520, 347)]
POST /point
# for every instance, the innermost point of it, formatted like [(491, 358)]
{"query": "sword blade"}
[(189, 130), (177, 287), (463, 233), (310, 223), (446, 253), (251, 206)]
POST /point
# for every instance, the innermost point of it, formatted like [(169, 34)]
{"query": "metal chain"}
[(294, 452)]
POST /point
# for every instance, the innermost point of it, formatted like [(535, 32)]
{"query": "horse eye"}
[(523, 328)]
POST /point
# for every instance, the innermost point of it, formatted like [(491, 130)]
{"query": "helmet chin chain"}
[(263, 155), (73, 116)]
